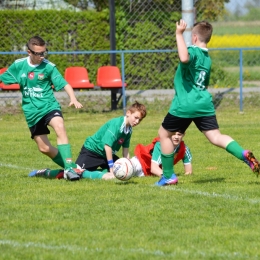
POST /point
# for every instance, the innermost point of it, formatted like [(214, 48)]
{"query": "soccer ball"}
[(123, 169)]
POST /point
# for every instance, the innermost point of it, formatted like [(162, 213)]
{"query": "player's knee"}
[(45, 149)]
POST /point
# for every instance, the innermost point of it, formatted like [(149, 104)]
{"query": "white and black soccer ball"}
[(123, 169)]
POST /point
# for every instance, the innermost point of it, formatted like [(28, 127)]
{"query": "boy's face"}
[(36, 54), (133, 119), (177, 138)]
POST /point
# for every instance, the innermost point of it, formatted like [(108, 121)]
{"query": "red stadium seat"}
[(109, 77), (8, 87), (77, 77)]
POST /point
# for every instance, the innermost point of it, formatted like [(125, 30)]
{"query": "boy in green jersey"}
[(146, 162), (193, 103), (99, 150), (36, 76), (98, 153)]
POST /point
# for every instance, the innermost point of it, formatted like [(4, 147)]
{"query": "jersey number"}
[(201, 80)]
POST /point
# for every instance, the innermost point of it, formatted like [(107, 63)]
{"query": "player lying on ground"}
[(36, 76), (99, 150), (146, 162)]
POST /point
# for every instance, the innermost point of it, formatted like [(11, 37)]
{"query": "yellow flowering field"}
[(233, 41)]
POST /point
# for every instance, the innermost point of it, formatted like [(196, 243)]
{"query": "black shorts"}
[(91, 161), (179, 124), (40, 128)]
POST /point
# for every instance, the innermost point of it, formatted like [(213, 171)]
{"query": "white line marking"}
[(131, 250), (14, 166), (213, 194)]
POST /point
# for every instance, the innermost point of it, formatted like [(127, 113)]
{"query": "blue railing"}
[(123, 52)]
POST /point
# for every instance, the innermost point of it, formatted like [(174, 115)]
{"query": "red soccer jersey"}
[(144, 155)]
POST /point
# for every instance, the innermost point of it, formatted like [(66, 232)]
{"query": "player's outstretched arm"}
[(188, 169), (181, 45), (155, 169), (73, 100), (109, 156), (125, 153)]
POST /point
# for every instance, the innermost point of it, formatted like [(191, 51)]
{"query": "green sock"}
[(93, 174), (65, 152), (235, 149), (58, 160), (52, 173), (167, 165)]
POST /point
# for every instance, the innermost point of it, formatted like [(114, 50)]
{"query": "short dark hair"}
[(36, 40), (203, 30)]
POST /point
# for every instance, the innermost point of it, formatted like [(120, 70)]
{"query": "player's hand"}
[(108, 176), (180, 26), (76, 103)]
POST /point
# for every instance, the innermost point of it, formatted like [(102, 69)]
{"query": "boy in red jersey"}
[(147, 160)]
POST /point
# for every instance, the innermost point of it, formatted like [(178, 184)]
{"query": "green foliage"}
[(209, 10), (76, 31), (221, 78), (89, 31), (252, 15), (82, 4)]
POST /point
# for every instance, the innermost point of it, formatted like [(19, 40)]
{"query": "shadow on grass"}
[(254, 182), (218, 97), (210, 180), (126, 182)]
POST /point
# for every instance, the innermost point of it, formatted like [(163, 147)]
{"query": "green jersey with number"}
[(114, 134), (156, 155), (191, 80), (36, 86)]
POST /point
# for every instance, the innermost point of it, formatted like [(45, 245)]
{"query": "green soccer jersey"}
[(191, 80), (36, 86), (114, 134), (156, 155)]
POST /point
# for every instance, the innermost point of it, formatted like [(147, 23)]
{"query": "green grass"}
[(236, 27), (213, 214)]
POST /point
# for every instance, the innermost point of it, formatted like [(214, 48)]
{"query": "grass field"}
[(213, 214), (237, 27)]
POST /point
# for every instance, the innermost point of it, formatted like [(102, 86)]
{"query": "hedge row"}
[(89, 31)]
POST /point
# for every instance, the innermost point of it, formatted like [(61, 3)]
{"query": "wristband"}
[(110, 163)]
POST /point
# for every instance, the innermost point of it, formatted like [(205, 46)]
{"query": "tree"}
[(205, 9)]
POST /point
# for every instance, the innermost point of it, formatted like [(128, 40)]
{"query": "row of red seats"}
[(108, 77)]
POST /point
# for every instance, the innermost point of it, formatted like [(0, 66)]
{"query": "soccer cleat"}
[(163, 181), (79, 170), (251, 161), (60, 175), (39, 173), (70, 174)]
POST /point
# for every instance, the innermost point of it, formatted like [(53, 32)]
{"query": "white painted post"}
[(188, 17)]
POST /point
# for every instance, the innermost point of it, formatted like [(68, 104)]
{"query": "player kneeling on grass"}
[(147, 160), (99, 150)]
